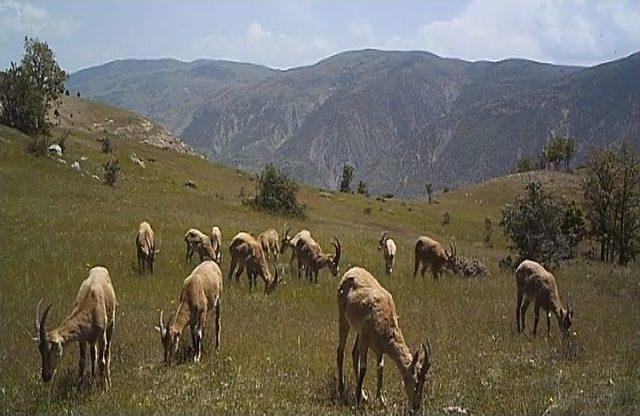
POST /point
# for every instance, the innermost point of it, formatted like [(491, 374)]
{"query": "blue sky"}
[(283, 34)]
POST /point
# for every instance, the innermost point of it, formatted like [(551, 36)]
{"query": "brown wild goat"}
[(291, 243), (90, 322), (269, 242), (537, 285), (198, 242), (246, 252), (216, 243), (430, 253), (311, 256), (145, 247), (201, 293), (388, 248), (364, 305)]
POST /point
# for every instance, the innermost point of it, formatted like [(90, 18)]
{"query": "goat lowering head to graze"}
[(269, 242), (388, 248), (216, 244), (246, 252), (537, 285), (430, 253), (291, 243), (90, 322), (310, 255), (198, 242), (146, 247), (201, 293), (363, 304)]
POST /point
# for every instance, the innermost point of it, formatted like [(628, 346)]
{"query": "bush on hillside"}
[(111, 171), (277, 193), (542, 226), (38, 146)]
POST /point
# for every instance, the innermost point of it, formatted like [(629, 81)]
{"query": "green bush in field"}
[(542, 226), (276, 193), (107, 146), (111, 169)]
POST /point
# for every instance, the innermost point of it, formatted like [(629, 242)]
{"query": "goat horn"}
[(42, 333), (426, 362), (161, 321), (36, 323), (338, 248)]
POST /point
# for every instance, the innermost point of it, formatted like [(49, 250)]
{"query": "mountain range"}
[(401, 118)]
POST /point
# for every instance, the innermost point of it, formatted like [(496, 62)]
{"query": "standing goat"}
[(311, 256), (291, 243), (198, 242), (388, 248), (246, 252), (146, 247), (90, 322), (536, 284), (201, 292), (430, 253), (367, 307), (269, 242), (216, 243)]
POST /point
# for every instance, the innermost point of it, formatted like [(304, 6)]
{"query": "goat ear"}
[(158, 329)]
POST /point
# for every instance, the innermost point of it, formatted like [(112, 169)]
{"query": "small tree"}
[(536, 226), (276, 193), (525, 164), (429, 187), (29, 90), (363, 189), (612, 202), (347, 175), (569, 151), (111, 170)]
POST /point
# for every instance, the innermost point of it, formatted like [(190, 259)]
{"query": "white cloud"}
[(25, 18), (568, 31), (261, 45)]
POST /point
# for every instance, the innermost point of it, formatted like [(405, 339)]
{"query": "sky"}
[(284, 34)]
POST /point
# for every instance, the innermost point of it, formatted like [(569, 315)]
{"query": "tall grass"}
[(278, 351)]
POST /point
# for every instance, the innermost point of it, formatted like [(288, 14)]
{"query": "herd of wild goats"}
[(363, 304)]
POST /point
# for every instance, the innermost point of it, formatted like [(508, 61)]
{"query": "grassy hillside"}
[(278, 351)]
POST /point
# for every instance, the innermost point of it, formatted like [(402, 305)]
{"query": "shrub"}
[(347, 175), (446, 218), (38, 146), (525, 164), (488, 232), (111, 169), (107, 146), (62, 141), (363, 189), (538, 227), (387, 196), (367, 210), (276, 193)]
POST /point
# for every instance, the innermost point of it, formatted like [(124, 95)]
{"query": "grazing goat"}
[(311, 256), (388, 248), (367, 307), (197, 241), (269, 242), (216, 243), (201, 293), (536, 284), (291, 243), (146, 247), (246, 252), (90, 322), (430, 253)]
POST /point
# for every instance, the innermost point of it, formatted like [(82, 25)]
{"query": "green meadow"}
[(278, 351)]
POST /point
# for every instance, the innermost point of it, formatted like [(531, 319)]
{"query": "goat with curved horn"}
[(430, 253), (91, 323), (310, 256)]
